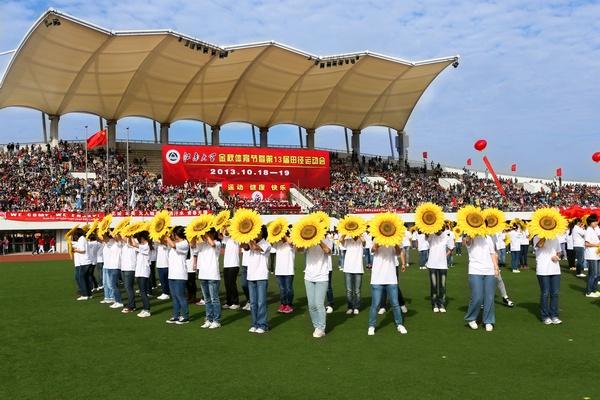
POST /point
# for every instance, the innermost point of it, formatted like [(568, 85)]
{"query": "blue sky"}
[(528, 80)]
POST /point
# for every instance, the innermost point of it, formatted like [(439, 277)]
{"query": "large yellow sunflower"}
[(429, 218), (277, 230), (104, 225), (133, 228), (323, 218), (199, 226), (547, 223), (245, 225), (494, 219), (69, 237), (159, 225), (352, 226), (307, 232), (120, 226), (221, 219), (470, 220), (92, 228), (387, 229)]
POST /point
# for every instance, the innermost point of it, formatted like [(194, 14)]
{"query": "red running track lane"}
[(28, 257)]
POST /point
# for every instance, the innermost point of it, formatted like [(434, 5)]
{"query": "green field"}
[(54, 347)]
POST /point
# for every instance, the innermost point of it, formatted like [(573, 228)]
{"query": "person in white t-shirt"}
[(562, 241), (353, 270), (384, 276), (547, 256), (367, 249), (112, 267), (448, 232), (178, 251), (153, 257), (592, 258), (209, 249), (244, 276), (316, 277), (258, 278), (423, 249), (500, 244), (82, 264), (142, 245), (458, 243), (341, 256), (440, 247), (524, 248), (406, 247), (231, 269), (93, 247), (570, 249), (128, 261), (515, 247), (285, 256), (578, 234), (100, 264), (483, 270), (191, 287), (329, 242), (162, 265)]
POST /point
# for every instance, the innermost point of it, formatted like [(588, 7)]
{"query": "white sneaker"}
[(318, 333), (201, 302), (234, 307), (117, 305), (516, 271), (252, 329), (163, 297), (356, 311), (137, 291), (328, 309), (206, 324), (381, 311), (442, 309), (101, 287), (547, 321), (489, 327), (473, 324), (225, 306), (404, 309), (81, 298), (371, 331), (435, 309), (349, 312), (594, 295), (246, 307), (556, 321), (214, 325), (580, 275), (402, 329), (105, 301), (144, 314), (260, 330)]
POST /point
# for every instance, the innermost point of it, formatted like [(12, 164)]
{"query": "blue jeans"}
[(82, 278), (423, 256), (368, 257), (244, 281), (144, 285), (515, 257), (376, 295), (353, 283), (458, 248), (315, 294), (593, 276), (330, 290), (502, 257), (341, 258), (210, 292), (163, 276), (112, 283), (406, 254), (524, 249), (483, 289), (449, 259), (437, 286), (580, 256), (107, 291), (180, 304), (549, 287), (258, 303), (128, 278), (286, 289)]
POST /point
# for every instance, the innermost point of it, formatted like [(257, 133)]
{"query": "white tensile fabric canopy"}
[(67, 65)]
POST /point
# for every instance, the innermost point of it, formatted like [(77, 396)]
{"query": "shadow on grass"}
[(533, 308)]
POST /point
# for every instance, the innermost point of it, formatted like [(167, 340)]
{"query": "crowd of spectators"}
[(40, 178)]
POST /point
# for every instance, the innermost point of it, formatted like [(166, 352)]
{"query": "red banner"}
[(376, 210), (257, 191), (43, 216), (305, 168)]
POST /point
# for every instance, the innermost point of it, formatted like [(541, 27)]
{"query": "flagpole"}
[(107, 175), (127, 157), (86, 174)]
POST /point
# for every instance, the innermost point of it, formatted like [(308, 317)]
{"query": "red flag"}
[(559, 172), (424, 154), (513, 168), (469, 162), (97, 139)]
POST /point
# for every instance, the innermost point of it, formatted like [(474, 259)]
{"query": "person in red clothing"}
[(52, 245), (41, 244)]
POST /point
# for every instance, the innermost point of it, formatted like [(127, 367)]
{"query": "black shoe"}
[(507, 302)]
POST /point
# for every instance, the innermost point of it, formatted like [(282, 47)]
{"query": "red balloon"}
[(596, 156), (480, 145)]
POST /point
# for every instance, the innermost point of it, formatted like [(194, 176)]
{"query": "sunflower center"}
[(352, 226), (491, 221), (276, 230), (246, 226), (160, 224), (308, 232), (429, 218), (387, 228), (475, 220), (200, 226), (548, 223)]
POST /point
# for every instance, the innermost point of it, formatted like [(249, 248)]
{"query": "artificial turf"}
[(54, 347)]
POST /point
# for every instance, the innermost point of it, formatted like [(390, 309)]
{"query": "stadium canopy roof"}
[(64, 65)]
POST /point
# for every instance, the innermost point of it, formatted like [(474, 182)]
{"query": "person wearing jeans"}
[(231, 269), (384, 277), (440, 247), (524, 248), (244, 277), (515, 247), (143, 246), (547, 256), (578, 234), (111, 254), (207, 263), (128, 263), (483, 271), (82, 264), (592, 258), (258, 278), (285, 256), (316, 277), (162, 265), (178, 250), (423, 249), (353, 271)]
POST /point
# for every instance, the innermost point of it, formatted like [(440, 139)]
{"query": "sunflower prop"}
[(245, 225), (122, 224), (494, 219), (323, 219), (308, 232), (429, 218), (352, 226), (221, 219), (159, 225), (69, 237), (547, 223), (470, 220), (199, 226), (387, 229), (457, 231), (104, 225), (133, 228), (92, 228), (277, 230)]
